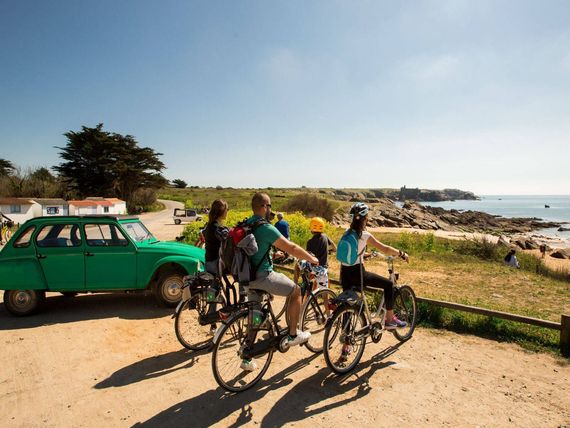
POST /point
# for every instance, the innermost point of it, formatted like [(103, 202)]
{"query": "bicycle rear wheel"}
[(189, 332), (227, 356), (343, 347), (315, 316), (405, 308)]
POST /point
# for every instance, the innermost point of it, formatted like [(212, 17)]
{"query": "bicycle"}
[(317, 301), (203, 307), (352, 323), (254, 332)]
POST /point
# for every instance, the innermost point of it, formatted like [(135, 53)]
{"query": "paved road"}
[(160, 223)]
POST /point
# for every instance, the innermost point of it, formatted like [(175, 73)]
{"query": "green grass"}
[(532, 338)]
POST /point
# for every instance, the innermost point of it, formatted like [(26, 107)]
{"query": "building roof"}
[(47, 201), (16, 201), (91, 203)]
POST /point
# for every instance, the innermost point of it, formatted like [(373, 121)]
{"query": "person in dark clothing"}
[(351, 275), (320, 245), (214, 233), (511, 260)]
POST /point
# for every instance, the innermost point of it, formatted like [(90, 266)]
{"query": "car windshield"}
[(137, 231)]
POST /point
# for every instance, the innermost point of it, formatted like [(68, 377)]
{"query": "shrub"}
[(298, 226), (311, 205)]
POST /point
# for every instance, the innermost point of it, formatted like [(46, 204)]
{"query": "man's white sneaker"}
[(302, 337), (248, 365)]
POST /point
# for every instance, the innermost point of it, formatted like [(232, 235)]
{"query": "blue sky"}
[(435, 94)]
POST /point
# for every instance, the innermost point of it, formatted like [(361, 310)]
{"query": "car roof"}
[(92, 216)]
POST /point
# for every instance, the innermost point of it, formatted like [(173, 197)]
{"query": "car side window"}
[(104, 235), (25, 238), (59, 235)]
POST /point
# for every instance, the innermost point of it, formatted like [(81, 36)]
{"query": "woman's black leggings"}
[(350, 280)]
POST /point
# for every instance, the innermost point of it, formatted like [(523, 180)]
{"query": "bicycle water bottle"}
[(211, 295), (257, 318)]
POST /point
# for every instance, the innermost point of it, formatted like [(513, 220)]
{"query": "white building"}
[(51, 207), (91, 206), (20, 210)]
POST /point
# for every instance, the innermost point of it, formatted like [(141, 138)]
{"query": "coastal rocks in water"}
[(561, 254), (385, 213), (563, 229)]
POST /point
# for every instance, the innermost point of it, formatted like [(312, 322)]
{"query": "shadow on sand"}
[(300, 402), (59, 309), (152, 367)]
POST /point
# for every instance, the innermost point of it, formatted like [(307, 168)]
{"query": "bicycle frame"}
[(380, 312)]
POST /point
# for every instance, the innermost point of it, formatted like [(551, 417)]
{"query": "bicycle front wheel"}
[(315, 315), (405, 308), (189, 332), (279, 305), (343, 345), (231, 371)]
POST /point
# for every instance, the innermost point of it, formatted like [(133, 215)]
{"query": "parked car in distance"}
[(82, 254), (185, 215)]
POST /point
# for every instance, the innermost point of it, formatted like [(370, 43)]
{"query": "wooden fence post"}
[(565, 335)]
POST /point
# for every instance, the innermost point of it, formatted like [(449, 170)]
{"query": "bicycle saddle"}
[(349, 297)]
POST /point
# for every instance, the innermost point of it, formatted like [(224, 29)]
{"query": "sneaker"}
[(212, 331), (302, 337), (248, 365), (395, 323)]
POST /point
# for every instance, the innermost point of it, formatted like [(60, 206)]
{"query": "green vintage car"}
[(83, 254)]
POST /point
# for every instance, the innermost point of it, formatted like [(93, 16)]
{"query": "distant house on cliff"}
[(90, 206), (20, 210)]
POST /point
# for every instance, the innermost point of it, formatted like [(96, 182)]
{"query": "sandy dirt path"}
[(161, 224), (113, 360)]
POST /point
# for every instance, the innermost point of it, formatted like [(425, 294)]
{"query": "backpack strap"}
[(254, 226)]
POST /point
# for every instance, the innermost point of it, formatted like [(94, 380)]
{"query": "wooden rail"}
[(563, 326)]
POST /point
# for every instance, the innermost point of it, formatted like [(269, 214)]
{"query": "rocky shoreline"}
[(385, 213)]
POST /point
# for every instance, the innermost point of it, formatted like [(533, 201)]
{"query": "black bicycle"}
[(252, 333), (207, 302)]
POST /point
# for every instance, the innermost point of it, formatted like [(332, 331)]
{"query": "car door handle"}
[(89, 254), (41, 256)]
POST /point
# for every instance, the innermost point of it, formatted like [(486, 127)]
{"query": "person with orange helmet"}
[(320, 245)]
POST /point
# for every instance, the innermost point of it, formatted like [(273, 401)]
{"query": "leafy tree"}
[(100, 163), (179, 184), (6, 167)]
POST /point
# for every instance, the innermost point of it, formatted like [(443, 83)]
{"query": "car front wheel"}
[(168, 290), (23, 302)]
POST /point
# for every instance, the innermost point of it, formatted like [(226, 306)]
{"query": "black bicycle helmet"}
[(359, 209)]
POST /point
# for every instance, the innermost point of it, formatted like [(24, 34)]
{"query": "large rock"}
[(560, 254), (504, 241)]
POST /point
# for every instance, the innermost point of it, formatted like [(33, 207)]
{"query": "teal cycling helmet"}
[(358, 210)]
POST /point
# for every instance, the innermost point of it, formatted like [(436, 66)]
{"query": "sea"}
[(520, 206)]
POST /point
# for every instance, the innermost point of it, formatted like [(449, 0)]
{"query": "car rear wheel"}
[(177, 221), (168, 289), (23, 302)]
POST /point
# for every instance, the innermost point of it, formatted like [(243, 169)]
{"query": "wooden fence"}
[(563, 326)]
